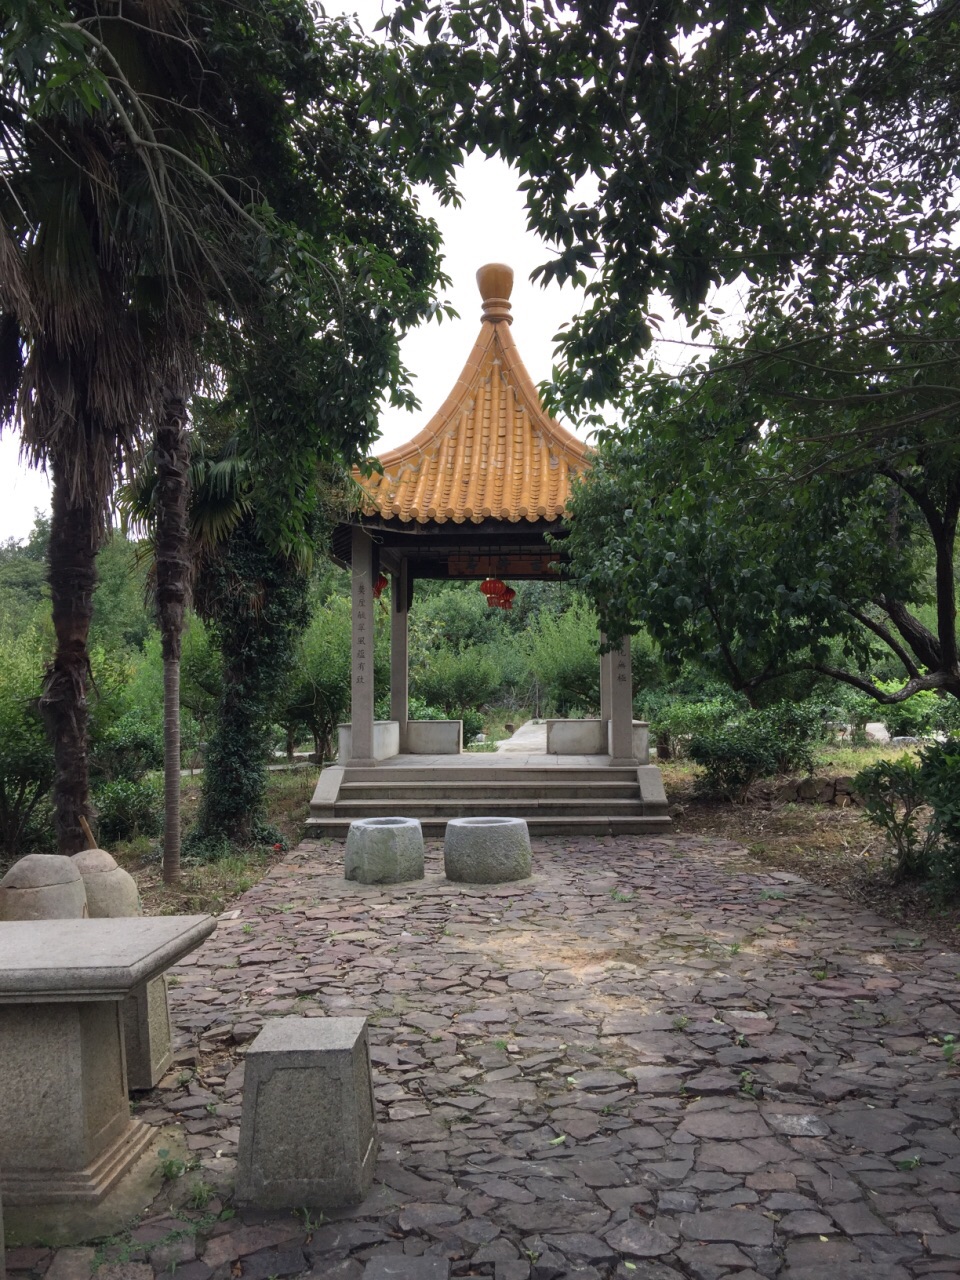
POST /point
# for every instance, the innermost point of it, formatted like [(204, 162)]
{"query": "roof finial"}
[(495, 281)]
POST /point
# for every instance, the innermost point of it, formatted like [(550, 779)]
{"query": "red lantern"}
[(493, 589), (379, 586), (506, 598)]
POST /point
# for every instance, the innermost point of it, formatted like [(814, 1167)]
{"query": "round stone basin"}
[(486, 850), (384, 851)]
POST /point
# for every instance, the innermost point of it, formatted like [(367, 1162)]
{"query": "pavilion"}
[(473, 496)]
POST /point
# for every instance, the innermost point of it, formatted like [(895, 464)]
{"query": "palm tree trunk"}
[(172, 451), (76, 526)]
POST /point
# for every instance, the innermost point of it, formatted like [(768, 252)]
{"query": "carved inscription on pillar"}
[(363, 632)]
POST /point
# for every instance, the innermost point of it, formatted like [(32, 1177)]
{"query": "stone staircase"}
[(555, 800)]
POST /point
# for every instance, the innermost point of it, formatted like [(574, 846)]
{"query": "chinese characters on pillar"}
[(621, 667), (361, 624)]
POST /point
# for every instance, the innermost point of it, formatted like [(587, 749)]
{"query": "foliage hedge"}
[(753, 745)]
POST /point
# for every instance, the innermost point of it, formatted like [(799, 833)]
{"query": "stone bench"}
[(66, 1133), (486, 850), (384, 851), (308, 1134)]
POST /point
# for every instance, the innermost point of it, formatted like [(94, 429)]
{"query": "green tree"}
[(673, 148), (223, 211), (564, 658), (26, 763), (256, 603), (764, 547), (318, 693)]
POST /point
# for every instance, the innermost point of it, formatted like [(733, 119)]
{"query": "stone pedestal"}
[(66, 1134), (308, 1136), (384, 851)]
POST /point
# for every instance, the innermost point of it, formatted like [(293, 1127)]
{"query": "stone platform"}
[(650, 1061)]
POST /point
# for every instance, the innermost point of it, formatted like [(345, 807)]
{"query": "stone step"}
[(455, 790), (485, 774), (483, 806), (545, 825)]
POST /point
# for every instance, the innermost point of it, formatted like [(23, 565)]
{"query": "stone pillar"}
[(606, 682), (621, 709), (362, 693), (399, 659)]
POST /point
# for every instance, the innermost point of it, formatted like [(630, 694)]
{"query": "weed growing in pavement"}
[(171, 1167), (310, 1223), (201, 1195), (121, 1248)]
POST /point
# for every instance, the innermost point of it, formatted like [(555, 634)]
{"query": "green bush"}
[(940, 777), (563, 651), (922, 715), (674, 721), (755, 744), (127, 808), (128, 748), (917, 804), (894, 797)]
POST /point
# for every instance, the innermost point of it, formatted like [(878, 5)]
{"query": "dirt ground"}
[(827, 845)]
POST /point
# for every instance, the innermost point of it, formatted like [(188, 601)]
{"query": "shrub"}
[(128, 748), (756, 744), (564, 658), (894, 797), (677, 720), (127, 808), (940, 778), (895, 794)]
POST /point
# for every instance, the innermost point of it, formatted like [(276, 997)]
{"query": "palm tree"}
[(138, 148)]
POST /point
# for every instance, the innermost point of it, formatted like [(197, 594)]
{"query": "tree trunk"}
[(172, 452), (76, 525)]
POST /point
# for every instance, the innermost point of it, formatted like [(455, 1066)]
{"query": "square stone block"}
[(146, 1034), (308, 1134)]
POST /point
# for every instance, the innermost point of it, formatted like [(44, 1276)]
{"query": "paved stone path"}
[(649, 1061)]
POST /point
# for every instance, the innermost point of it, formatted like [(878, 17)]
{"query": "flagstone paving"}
[(649, 1061)]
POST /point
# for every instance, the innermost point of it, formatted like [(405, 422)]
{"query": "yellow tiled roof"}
[(491, 452)]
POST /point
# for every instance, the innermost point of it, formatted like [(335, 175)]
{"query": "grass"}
[(211, 887)]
